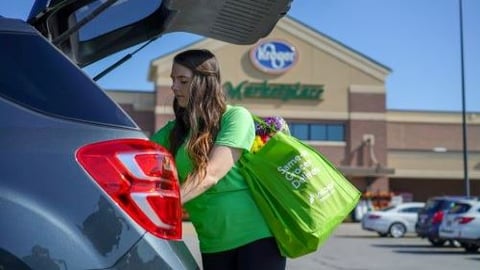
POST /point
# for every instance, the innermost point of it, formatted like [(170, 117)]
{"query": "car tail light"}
[(464, 220), (437, 217), (141, 177), (373, 216)]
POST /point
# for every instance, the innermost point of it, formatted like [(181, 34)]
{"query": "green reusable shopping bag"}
[(302, 196)]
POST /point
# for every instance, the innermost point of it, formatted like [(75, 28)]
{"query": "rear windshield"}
[(438, 204), (460, 208), (119, 15), (39, 77)]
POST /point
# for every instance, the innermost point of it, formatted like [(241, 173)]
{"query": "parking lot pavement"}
[(190, 239), (188, 228), (351, 229), (345, 230), (351, 248)]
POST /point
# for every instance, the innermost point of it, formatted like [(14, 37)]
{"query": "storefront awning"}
[(366, 171)]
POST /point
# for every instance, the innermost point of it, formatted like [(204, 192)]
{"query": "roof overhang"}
[(366, 171)]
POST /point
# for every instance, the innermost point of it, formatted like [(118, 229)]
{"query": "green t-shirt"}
[(225, 216)]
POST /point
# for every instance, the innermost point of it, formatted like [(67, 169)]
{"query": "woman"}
[(207, 137)]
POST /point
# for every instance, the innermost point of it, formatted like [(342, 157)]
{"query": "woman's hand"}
[(221, 160)]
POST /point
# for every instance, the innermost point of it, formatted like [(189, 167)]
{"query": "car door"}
[(88, 30), (410, 215)]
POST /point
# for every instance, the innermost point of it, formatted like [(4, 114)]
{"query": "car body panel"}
[(452, 228), (51, 208), (381, 221), (146, 255)]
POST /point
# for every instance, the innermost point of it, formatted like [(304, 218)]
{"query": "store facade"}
[(333, 98)]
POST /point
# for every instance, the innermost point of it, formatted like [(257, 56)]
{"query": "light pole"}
[(464, 117)]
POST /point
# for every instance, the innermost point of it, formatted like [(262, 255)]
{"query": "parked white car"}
[(395, 221), (462, 223)]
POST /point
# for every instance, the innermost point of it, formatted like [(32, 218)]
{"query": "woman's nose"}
[(174, 87)]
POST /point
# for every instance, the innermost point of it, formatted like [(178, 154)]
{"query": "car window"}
[(387, 208), (39, 77), (446, 205), (460, 208), (411, 210), (114, 17), (432, 205)]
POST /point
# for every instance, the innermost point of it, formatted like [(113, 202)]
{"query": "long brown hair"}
[(199, 121)]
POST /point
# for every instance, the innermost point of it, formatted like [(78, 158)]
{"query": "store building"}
[(334, 98)]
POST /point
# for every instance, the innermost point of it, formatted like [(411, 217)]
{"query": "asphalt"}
[(346, 229)]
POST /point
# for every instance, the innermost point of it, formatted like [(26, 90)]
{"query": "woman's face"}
[(181, 79)]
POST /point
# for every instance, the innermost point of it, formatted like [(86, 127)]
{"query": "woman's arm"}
[(221, 160)]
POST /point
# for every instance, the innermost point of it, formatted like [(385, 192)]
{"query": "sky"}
[(419, 40)]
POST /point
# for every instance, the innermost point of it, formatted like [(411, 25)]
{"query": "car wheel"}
[(455, 243), (436, 242), (397, 230), (471, 248)]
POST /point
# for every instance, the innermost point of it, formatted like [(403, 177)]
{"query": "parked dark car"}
[(430, 217), (82, 187)]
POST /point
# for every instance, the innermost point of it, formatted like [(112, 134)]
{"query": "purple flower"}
[(271, 125)]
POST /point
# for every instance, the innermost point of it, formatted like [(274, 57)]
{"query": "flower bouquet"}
[(267, 127)]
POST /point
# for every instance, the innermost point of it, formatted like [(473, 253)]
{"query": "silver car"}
[(395, 220), (462, 223), (81, 187)]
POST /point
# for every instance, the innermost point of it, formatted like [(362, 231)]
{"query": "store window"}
[(318, 131)]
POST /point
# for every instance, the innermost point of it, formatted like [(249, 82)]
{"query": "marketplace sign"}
[(283, 92), (273, 56)]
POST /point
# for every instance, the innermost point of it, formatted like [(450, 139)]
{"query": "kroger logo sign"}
[(273, 56)]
